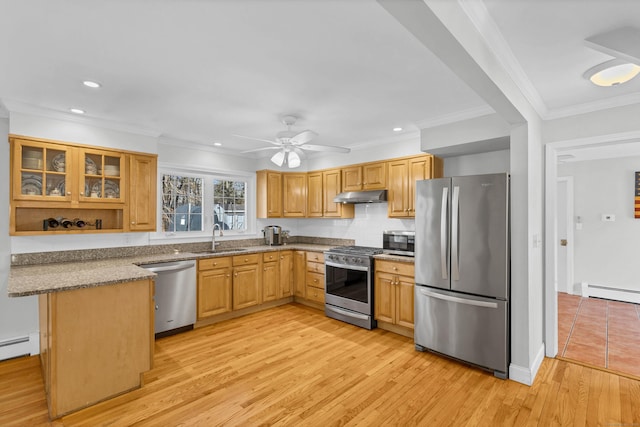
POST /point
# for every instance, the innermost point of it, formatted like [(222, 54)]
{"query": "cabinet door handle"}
[(133, 223), (68, 193)]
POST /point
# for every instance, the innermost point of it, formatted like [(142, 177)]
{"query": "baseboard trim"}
[(526, 375)]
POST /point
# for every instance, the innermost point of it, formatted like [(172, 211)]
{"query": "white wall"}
[(476, 164), (18, 316), (605, 253)]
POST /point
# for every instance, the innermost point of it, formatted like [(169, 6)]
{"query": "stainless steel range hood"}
[(372, 196)]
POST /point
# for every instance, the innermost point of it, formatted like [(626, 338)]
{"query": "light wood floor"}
[(291, 365)]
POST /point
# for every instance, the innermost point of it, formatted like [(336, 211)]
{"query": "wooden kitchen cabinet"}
[(87, 336), (403, 174), (294, 195), (214, 286), (52, 179), (331, 187), (247, 281), (315, 277), (315, 206), (269, 194), (142, 191), (299, 274), (394, 288), (270, 276), (286, 274), (368, 176)]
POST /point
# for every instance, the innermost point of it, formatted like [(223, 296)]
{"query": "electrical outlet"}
[(608, 218)]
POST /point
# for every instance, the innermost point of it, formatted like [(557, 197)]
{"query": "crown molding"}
[(495, 42), (590, 107), (33, 110)]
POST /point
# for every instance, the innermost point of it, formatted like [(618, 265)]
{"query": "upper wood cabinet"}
[(315, 205), (331, 187), (142, 191), (294, 195), (95, 189), (369, 176), (269, 194), (403, 174)]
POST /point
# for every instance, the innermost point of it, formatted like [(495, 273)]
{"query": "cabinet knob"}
[(228, 275), (133, 223), (82, 193), (282, 257), (395, 268), (265, 269), (235, 275), (68, 193)]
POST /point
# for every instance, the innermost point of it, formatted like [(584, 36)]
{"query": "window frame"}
[(208, 176)]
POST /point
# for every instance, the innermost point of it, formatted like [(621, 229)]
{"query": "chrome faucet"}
[(213, 236)]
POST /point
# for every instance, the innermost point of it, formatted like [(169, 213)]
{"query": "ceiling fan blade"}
[(303, 137), (261, 149), (258, 139), (312, 147)]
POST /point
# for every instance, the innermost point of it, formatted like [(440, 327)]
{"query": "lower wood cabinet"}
[(247, 281), (270, 276), (95, 343), (214, 286), (286, 274), (315, 277), (394, 288), (300, 274)]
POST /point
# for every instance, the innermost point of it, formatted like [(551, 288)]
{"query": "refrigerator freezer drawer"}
[(472, 329)]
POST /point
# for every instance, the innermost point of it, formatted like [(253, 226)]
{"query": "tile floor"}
[(599, 332)]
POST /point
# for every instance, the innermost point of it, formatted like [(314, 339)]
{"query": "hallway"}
[(599, 333)]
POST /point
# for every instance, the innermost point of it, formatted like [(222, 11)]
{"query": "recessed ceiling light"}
[(76, 110), (217, 144), (397, 129), (612, 73), (91, 84)]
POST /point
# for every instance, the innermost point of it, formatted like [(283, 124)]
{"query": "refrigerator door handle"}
[(443, 234), (455, 221), (458, 300)]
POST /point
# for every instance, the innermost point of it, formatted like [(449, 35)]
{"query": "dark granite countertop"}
[(36, 279)]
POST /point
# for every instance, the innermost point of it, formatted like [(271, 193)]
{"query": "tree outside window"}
[(229, 198), (182, 199)]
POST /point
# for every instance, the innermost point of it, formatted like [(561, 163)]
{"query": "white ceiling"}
[(204, 70)]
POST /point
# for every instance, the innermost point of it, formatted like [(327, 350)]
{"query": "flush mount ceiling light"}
[(612, 73), (398, 129)]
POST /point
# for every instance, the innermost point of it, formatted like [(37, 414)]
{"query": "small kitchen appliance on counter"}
[(273, 235), (398, 242)]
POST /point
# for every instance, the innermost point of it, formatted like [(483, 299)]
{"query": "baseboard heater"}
[(19, 346), (606, 292)]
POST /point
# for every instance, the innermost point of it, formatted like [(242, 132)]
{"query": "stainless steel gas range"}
[(349, 277)]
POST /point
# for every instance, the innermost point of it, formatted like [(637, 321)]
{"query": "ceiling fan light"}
[(612, 73), (278, 158), (293, 160)]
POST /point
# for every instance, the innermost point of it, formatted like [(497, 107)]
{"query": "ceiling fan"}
[(291, 144)]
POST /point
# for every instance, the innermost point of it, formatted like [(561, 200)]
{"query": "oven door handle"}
[(346, 313), (346, 267)]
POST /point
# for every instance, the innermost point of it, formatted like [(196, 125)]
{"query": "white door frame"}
[(551, 152), (568, 223)]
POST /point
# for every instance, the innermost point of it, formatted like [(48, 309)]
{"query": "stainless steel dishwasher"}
[(175, 296)]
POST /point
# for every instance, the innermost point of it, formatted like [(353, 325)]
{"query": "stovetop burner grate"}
[(356, 250)]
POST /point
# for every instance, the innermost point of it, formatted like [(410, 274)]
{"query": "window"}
[(229, 204), (181, 203), (193, 200)]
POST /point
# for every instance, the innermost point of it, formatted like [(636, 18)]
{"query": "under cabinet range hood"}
[(372, 196)]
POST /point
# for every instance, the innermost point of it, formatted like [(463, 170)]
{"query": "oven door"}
[(349, 287)]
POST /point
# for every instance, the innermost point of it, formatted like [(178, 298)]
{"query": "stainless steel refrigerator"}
[(462, 268)]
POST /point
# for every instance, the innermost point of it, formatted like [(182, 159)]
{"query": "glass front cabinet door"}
[(41, 172), (102, 176)]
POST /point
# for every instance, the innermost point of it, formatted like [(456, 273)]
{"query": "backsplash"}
[(130, 251)]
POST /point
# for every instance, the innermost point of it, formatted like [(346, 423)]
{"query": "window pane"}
[(181, 203), (228, 204)]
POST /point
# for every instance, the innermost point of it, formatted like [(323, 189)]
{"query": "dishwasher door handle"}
[(179, 266)]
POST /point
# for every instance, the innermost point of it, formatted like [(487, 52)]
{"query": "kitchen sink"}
[(218, 251)]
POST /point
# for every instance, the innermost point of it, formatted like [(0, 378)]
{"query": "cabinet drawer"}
[(246, 259), (315, 280), (315, 294), (395, 267), (270, 256), (315, 257), (315, 267), (211, 263)]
